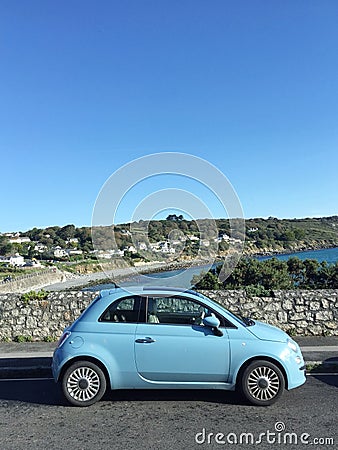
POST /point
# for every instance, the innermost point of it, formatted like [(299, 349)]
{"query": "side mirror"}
[(211, 321)]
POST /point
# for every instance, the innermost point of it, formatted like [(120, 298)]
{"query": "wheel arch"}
[(262, 358), (91, 359)]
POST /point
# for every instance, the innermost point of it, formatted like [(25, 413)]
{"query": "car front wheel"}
[(262, 383), (83, 383)]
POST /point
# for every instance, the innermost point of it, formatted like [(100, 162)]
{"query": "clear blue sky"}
[(86, 86)]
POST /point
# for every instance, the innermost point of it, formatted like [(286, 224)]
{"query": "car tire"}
[(262, 383), (83, 383)]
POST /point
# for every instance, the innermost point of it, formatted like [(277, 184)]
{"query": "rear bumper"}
[(59, 360), (54, 367)]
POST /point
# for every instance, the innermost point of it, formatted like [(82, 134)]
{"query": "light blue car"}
[(163, 338)]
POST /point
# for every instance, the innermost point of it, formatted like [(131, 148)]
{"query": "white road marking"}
[(320, 348), (26, 379), (314, 374), (26, 355)]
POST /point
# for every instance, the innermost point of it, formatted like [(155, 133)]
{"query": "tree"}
[(287, 236), (296, 270), (6, 248), (275, 275), (323, 276), (269, 274), (332, 281), (34, 234), (175, 218), (299, 233), (223, 246), (207, 281), (311, 276), (66, 232)]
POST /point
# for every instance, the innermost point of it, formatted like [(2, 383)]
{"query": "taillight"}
[(63, 338)]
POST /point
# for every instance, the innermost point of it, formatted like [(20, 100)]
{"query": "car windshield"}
[(246, 321)]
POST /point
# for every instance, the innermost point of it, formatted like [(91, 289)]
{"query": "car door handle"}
[(147, 340)]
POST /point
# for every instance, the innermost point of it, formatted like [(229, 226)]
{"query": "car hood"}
[(267, 332)]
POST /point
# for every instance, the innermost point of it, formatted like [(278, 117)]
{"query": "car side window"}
[(177, 310), (125, 310)]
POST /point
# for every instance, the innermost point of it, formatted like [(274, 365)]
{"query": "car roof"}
[(143, 290)]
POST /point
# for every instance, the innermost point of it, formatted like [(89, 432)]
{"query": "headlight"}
[(292, 345)]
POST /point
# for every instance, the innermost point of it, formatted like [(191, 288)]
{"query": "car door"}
[(173, 345)]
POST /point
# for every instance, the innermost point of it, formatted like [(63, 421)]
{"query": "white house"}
[(104, 255), (142, 246), (155, 247), (73, 251), (19, 239), (126, 232), (73, 241), (13, 260), (177, 242), (60, 252), (108, 254), (17, 260), (225, 237), (165, 247), (40, 247)]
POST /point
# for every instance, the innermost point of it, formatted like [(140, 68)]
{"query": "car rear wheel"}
[(262, 383), (83, 383)]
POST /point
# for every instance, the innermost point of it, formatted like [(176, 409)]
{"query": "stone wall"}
[(32, 281), (297, 312), (40, 319)]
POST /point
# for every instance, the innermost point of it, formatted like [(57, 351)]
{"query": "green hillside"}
[(262, 236)]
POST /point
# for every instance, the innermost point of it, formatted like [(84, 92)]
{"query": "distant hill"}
[(262, 236)]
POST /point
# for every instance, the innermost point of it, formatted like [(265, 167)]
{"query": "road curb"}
[(25, 367), (15, 373), (13, 368)]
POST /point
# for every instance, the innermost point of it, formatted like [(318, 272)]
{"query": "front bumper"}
[(296, 369)]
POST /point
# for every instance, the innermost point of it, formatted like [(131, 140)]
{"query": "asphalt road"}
[(33, 415), (102, 277)]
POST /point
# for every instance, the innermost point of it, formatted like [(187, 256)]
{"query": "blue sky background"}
[(85, 87)]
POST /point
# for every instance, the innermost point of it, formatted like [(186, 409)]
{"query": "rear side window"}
[(124, 310)]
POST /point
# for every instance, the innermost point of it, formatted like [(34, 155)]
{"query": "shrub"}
[(33, 295), (49, 339), (258, 291), (20, 338)]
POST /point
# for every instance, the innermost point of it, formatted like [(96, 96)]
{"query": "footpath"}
[(33, 359)]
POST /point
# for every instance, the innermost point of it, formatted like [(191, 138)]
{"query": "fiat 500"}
[(162, 338)]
